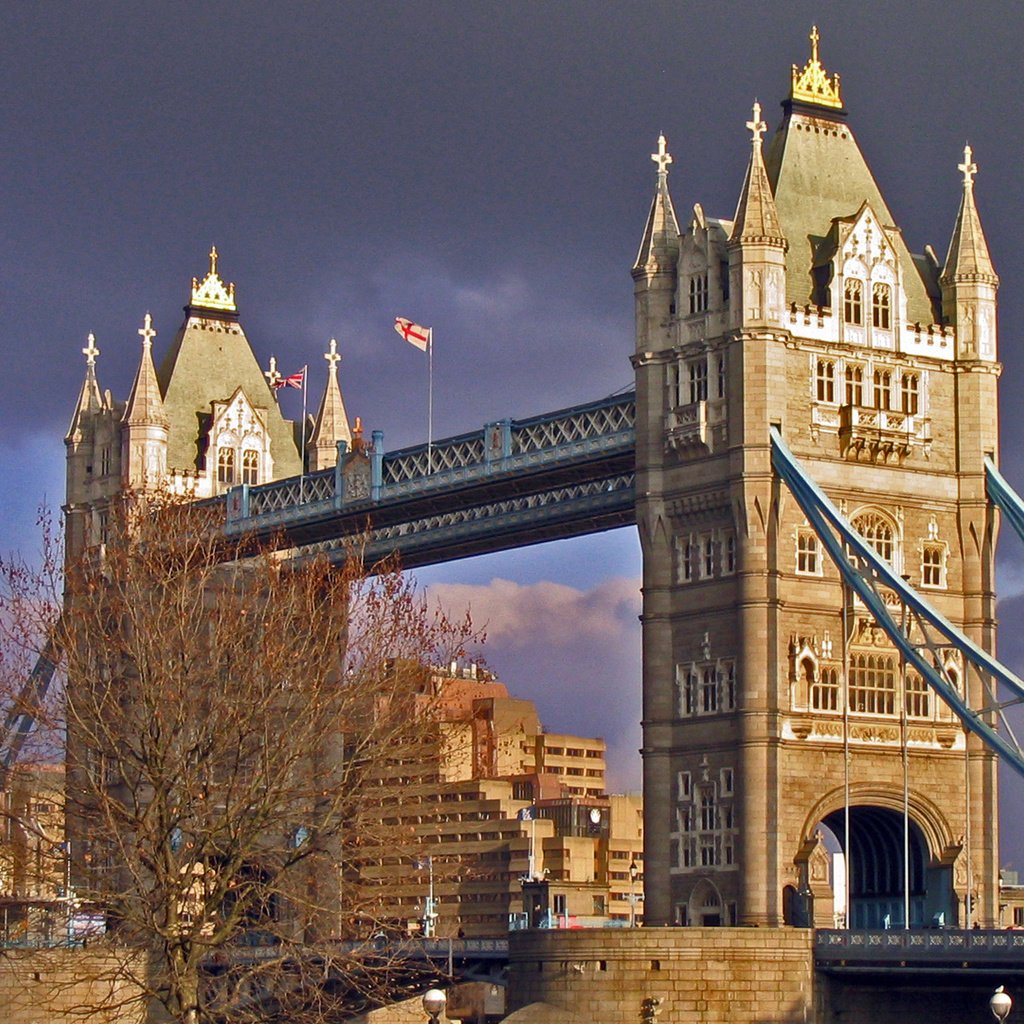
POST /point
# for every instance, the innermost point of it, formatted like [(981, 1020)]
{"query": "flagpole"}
[(430, 401), (302, 468)]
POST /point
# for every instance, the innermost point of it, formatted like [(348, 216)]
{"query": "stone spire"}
[(145, 425), (756, 218), (659, 248), (90, 401), (145, 404), (968, 280), (968, 258), (331, 424)]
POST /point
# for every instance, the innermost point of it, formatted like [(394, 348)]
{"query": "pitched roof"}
[(818, 174), (209, 358)]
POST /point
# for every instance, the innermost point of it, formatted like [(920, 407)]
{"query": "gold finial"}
[(968, 167), (273, 375), (812, 85), (90, 351), (147, 333), (757, 126), (662, 158), (212, 293), (332, 356)]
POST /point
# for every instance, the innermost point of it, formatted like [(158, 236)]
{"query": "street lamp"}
[(434, 1002), (634, 874), (1000, 1004)]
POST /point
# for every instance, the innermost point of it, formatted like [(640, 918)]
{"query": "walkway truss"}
[(924, 637)]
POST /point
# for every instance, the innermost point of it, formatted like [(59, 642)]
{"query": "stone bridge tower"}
[(777, 717)]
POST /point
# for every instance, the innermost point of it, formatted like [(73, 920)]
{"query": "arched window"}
[(854, 384), (226, 466), (873, 684), (878, 532), (883, 389), (825, 377), (917, 696), (909, 393), (880, 307), (853, 302), (250, 466)]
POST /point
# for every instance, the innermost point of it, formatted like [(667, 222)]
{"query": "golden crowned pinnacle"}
[(812, 84)]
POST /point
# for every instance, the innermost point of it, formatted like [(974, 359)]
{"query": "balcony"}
[(881, 435), (696, 428)]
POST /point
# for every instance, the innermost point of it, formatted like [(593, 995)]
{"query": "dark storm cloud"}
[(479, 167)]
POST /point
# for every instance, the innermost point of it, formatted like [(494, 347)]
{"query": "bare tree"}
[(234, 718)]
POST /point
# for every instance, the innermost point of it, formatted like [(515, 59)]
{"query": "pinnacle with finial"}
[(332, 356), (757, 126), (90, 351), (273, 375), (213, 259), (662, 158), (814, 37), (968, 167), (147, 333)]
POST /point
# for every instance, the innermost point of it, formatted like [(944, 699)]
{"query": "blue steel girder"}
[(923, 635), (513, 483)]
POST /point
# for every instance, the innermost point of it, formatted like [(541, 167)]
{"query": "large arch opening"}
[(875, 874)]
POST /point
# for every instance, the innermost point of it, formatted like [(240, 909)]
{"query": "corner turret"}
[(757, 246), (331, 423), (654, 272), (144, 424), (969, 281)]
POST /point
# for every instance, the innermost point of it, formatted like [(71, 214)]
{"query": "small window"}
[(699, 380), (825, 691), (699, 293), (226, 466), (721, 377), (853, 310), (917, 696), (933, 565), (854, 384), (825, 380), (709, 691), (727, 679), (729, 553), (882, 382), (880, 307), (684, 784), (707, 556), (686, 554), (105, 460), (727, 781), (808, 560), (250, 466), (909, 393)]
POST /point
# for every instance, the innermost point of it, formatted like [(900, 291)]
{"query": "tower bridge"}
[(805, 386)]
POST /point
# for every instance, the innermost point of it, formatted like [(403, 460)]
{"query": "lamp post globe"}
[(1000, 1004), (434, 1002)]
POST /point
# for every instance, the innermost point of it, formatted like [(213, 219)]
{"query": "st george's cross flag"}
[(413, 333)]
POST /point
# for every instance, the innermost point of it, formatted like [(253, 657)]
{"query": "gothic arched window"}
[(878, 532), (250, 466), (853, 302), (873, 684), (226, 466), (881, 307)]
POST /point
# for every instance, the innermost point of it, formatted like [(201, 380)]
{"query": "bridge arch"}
[(874, 856)]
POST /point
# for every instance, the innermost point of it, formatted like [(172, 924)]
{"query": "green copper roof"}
[(209, 358), (818, 173)]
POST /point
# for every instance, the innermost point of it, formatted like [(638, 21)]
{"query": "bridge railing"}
[(502, 446), (917, 947)]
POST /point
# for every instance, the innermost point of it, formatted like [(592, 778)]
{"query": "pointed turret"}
[(331, 424), (757, 246), (90, 401), (144, 424), (968, 280), (655, 270), (756, 218), (659, 247)]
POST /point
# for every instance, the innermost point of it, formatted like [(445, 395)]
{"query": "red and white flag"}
[(294, 381), (413, 333)]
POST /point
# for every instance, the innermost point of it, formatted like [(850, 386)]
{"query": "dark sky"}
[(479, 167)]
